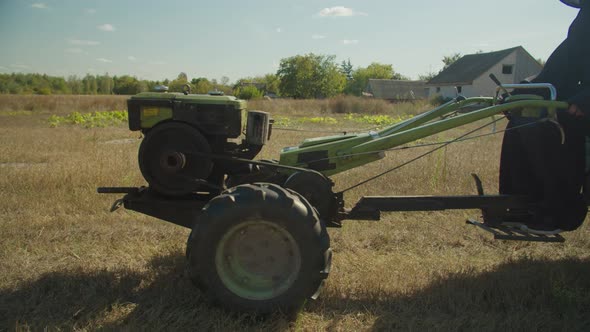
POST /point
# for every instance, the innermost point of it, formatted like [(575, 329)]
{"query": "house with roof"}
[(396, 90), (469, 76)]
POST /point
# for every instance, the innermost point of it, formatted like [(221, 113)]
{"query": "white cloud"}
[(106, 27), (81, 42), (74, 50), (131, 58), (279, 30), (339, 11), (318, 37), (39, 5), (104, 60), (350, 41), (90, 11), (482, 44), (20, 66)]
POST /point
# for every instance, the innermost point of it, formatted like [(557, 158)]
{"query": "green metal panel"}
[(153, 107), (155, 95), (193, 99), (151, 115), (212, 100), (292, 156)]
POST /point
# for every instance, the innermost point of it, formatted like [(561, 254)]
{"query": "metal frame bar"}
[(183, 211), (439, 203), (550, 87)]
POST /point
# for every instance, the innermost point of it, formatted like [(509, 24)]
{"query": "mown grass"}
[(66, 263), (60, 104), (338, 105)]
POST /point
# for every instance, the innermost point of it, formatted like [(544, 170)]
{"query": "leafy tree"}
[(269, 83), (42, 87), (310, 76), (75, 85), (272, 82), (128, 85), (201, 85), (182, 77), (14, 88), (447, 60), (400, 77), (59, 85), (105, 84), (346, 69), (361, 76), (249, 92), (427, 77), (450, 59), (90, 86), (178, 84)]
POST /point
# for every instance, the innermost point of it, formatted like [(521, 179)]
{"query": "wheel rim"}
[(258, 260)]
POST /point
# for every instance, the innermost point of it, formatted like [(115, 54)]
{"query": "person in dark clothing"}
[(534, 161), (568, 67)]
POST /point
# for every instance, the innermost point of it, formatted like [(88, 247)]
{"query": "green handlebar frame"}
[(335, 154)]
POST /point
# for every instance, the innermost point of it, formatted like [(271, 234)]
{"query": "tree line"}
[(300, 76)]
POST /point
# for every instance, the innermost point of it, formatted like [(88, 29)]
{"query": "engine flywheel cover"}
[(170, 159)]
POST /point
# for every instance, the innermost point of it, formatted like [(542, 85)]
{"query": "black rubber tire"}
[(174, 136), (271, 204)]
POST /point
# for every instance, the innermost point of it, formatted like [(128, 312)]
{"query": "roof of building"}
[(471, 66), (396, 89)]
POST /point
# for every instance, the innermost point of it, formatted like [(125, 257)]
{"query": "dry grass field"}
[(66, 263)]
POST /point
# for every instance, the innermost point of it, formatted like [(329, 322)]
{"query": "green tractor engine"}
[(184, 131)]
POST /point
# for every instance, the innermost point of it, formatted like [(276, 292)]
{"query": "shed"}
[(397, 90)]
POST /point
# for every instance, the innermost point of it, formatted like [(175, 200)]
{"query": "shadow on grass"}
[(523, 295), (159, 298), (520, 295)]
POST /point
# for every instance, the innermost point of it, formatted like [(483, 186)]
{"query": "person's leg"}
[(556, 176), (515, 175)]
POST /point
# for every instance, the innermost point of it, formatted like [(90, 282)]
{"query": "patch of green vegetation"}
[(283, 121), (376, 120), (319, 120), (89, 120), (373, 120)]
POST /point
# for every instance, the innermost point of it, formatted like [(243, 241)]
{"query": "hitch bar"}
[(371, 205)]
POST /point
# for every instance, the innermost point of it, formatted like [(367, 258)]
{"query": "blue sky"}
[(216, 38)]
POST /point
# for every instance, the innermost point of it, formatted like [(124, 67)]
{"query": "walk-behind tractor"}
[(259, 241)]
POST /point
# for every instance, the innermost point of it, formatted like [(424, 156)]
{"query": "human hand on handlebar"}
[(575, 110)]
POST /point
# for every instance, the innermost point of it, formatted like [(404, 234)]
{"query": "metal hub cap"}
[(172, 161), (258, 260)]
